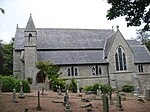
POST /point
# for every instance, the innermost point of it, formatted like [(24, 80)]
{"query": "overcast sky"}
[(85, 14)]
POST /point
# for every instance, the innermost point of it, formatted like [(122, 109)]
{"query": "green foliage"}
[(2, 10), (144, 37), (8, 83), (7, 49), (26, 87), (104, 88), (55, 83), (127, 88), (29, 79), (49, 69), (73, 86), (1, 59), (88, 88), (136, 12)]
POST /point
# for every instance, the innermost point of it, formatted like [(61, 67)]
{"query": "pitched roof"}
[(48, 38), (72, 57), (141, 53)]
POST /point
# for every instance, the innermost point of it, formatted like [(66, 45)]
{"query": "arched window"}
[(72, 71), (69, 72), (120, 59), (96, 70), (29, 38)]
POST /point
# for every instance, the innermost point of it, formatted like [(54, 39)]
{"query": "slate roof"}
[(76, 46), (141, 53), (72, 57), (65, 38)]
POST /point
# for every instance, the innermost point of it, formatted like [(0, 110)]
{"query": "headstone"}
[(148, 91), (78, 91), (105, 103), (21, 94), (67, 108), (66, 98), (14, 96), (38, 107), (119, 105), (59, 91), (42, 93), (1, 85), (110, 96), (26, 110), (137, 90)]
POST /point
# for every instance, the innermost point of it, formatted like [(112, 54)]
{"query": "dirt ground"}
[(129, 103)]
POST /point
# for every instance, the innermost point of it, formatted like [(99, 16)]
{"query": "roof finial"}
[(117, 27)]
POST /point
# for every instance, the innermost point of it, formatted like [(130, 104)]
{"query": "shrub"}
[(88, 88), (105, 88), (8, 83), (56, 82), (73, 86), (29, 79), (127, 88), (26, 87)]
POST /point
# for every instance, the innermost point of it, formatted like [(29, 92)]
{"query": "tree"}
[(52, 72), (1, 58), (8, 58), (2, 10), (136, 12), (144, 37)]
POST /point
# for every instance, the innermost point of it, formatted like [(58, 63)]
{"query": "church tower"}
[(30, 47)]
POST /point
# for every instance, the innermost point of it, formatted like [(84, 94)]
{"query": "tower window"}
[(29, 38), (120, 59)]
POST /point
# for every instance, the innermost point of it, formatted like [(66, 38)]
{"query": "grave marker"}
[(105, 103), (119, 105), (21, 94), (38, 107), (14, 96)]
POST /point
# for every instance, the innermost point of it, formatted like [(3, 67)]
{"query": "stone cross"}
[(21, 94), (38, 107)]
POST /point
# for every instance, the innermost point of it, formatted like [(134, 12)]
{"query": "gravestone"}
[(78, 91), (67, 107), (38, 107), (59, 91), (136, 85), (14, 96), (1, 85), (105, 103), (147, 91), (21, 94), (119, 105), (42, 93)]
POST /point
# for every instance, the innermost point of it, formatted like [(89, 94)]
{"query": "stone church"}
[(87, 55)]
